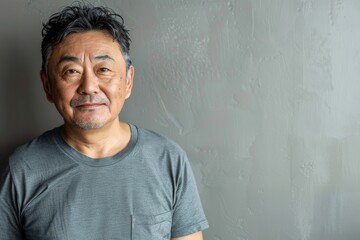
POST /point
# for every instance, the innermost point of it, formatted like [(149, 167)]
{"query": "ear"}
[(46, 85), (129, 81)]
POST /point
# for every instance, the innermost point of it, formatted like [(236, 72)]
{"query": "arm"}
[(9, 227), (194, 236), (188, 219)]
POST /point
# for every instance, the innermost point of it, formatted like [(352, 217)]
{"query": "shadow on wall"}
[(17, 104)]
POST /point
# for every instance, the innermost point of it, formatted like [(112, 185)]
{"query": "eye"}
[(104, 70), (71, 71)]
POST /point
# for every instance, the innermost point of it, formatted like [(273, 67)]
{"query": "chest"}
[(101, 203)]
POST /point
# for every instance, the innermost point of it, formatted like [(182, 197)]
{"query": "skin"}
[(88, 83), (195, 236)]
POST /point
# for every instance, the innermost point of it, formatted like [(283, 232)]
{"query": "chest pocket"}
[(151, 227)]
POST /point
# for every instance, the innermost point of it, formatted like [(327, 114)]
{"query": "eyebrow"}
[(67, 58)]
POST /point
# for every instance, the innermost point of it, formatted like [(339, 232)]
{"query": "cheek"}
[(118, 94), (63, 95), (116, 91)]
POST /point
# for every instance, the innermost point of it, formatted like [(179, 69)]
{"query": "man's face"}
[(87, 79)]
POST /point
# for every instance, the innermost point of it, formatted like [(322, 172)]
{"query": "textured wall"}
[(263, 95)]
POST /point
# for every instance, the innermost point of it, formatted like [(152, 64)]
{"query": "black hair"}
[(81, 18)]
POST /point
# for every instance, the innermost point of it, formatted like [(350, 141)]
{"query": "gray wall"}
[(263, 96)]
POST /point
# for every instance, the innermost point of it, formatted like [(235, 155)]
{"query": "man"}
[(95, 177)]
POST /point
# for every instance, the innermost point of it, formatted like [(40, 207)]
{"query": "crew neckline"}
[(95, 162)]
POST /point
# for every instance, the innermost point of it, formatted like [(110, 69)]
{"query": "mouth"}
[(90, 106)]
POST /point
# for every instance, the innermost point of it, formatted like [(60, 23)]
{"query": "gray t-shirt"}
[(147, 191)]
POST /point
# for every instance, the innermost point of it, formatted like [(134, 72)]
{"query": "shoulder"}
[(39, 162), (149, 140), (32, 154), (159, 150)]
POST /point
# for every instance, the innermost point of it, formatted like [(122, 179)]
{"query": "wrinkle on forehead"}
[(94, 46), (67, 58)]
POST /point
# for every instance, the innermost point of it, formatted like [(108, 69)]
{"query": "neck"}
[(98, 143)]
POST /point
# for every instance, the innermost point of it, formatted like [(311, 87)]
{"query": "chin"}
[(88, 125)]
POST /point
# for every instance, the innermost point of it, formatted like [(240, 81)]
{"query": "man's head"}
[(83, 18), (86, 71)]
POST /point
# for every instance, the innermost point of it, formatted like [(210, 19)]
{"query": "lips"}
[(91, 105)]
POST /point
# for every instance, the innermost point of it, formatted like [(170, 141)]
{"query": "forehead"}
[(87, 44)]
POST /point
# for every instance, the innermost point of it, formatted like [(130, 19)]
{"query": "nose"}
[(89, 83)]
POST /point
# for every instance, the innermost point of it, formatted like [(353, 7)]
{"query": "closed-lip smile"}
[(90, 105)]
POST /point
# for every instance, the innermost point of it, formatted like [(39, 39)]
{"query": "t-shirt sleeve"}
[(9, 217), (188, 214)]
